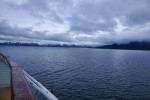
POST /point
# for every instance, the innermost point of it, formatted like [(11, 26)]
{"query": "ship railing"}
[(39, 91)]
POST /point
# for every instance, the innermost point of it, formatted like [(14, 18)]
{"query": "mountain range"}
[(43, 45), (127, 46)]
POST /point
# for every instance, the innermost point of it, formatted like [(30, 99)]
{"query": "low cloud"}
[(26, 33)]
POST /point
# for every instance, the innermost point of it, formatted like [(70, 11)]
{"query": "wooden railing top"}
[(20, 88)]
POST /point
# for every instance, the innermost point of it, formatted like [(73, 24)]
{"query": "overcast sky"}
[(93, 22)]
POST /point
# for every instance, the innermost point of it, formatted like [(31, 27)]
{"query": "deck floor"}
[(5, 83), (5, 93)]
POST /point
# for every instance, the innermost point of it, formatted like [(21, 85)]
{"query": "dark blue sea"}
[(86, 73)]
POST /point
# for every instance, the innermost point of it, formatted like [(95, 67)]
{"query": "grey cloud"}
[(44, 9), (7, 30), (134, 13), (86, 17)]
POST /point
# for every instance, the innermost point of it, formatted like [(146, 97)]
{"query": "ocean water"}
[(87, 74)]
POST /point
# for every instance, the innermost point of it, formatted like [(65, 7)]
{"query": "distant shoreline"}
[(47, 45), (129, 46)]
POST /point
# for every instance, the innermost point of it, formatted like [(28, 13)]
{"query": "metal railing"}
[(39, 91)]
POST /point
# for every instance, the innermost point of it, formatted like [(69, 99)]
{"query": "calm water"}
[(87, 74)]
